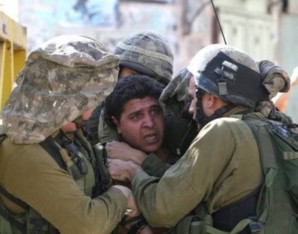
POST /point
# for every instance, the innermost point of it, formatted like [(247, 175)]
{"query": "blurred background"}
[(266, 29)]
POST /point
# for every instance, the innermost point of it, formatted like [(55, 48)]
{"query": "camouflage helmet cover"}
[(228, 73), (61, 79), (147, 53)]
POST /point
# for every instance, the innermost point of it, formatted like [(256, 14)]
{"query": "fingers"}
[(118, 169), (121, 150), (116, 149), (123, 170)]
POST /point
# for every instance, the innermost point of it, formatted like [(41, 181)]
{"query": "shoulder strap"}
[(7, 215), (50, 146), (9, 218), (3, 136), (34, 221), (13, 199), (270, 168), (263, 138)]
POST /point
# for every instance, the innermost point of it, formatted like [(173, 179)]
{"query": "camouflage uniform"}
[(61, 79)]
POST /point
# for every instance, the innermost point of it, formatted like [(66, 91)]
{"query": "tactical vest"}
[(82, 161)]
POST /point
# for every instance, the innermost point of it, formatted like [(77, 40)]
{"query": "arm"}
[(207, 173), (35, 178)]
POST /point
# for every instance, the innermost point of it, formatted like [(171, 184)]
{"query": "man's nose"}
[(149, 121)]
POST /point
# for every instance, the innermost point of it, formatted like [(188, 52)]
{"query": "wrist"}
[(140, 159), (133, 171)]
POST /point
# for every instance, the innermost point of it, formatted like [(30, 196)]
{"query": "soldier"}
[(48, 175), (219, 176)]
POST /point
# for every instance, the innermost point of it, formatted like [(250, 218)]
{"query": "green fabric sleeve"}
[(27, 172), (152, 165)]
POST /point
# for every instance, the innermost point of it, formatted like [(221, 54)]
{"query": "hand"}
[(121, 150), (123, 170), (132, 209)]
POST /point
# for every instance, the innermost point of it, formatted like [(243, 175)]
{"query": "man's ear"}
[(211, 100), (117, 124), (215, 102)]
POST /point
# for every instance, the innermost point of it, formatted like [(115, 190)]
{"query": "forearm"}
[(80, 213), (154, 202), (55, 195), (99, 215)]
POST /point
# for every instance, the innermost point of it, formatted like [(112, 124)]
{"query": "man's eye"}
[(156, 111), (135, 117)]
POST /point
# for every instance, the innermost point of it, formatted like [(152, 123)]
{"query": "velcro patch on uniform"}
[(290, 155)]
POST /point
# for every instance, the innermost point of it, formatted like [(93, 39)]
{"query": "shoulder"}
[(23, 155), (20, 163), (9, 148), (227, 125), (224, 131)]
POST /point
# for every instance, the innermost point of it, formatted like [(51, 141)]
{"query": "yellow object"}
[(13, 44)]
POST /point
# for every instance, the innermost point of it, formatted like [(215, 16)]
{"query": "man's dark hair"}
[(130, 87)]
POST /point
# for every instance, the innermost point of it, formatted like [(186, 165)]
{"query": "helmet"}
[(228, 73), (61, 79), (175, 99), (147, 53)]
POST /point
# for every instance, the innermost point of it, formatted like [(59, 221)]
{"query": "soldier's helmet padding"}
[(148, 53), (61, 79), (228, 73)]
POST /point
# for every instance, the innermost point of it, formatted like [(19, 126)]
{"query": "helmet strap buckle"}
[(221, 83)]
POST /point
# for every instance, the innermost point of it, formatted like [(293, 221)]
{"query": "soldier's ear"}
[(210, 100), (117, 124)]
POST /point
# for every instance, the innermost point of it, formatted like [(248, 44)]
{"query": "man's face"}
[(78, 122), (125, 71), (141, 124)]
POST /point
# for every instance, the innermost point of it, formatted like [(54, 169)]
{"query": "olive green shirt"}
[(30, 174), (220, 167)]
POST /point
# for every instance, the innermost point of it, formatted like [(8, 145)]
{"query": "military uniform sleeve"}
[(105, 132), (206, 173), (154, 166), (36, 179)]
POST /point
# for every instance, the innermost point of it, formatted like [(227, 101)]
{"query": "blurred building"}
[(260, 27), (263, 28), (10, 8)]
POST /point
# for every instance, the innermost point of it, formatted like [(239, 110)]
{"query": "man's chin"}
[(151, 148)]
